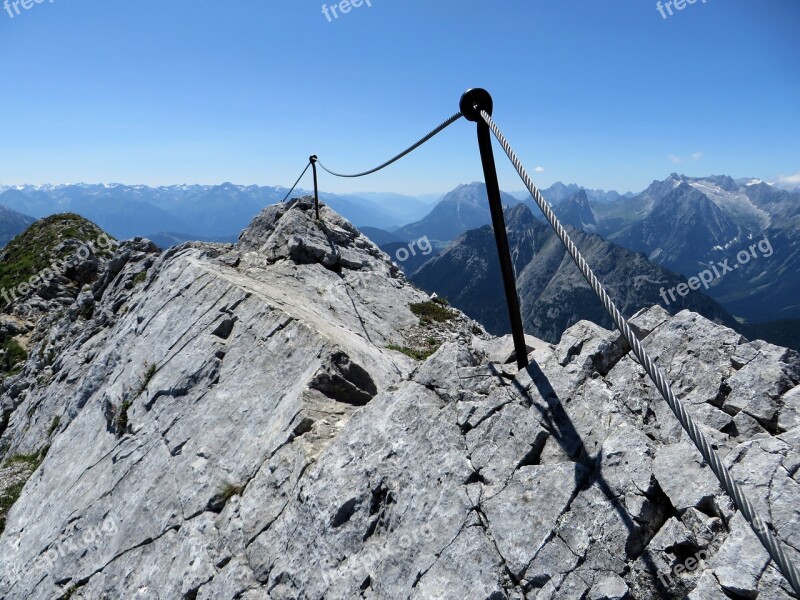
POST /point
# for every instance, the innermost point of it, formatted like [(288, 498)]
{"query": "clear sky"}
[(606, 94)]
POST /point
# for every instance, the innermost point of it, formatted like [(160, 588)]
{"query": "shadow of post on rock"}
[(558, 423)]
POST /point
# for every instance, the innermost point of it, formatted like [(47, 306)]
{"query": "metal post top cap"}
[(312, 158), (475, 100)]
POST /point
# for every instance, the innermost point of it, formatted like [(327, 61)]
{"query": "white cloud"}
[(789, 181), (538, 169), (677, 160)]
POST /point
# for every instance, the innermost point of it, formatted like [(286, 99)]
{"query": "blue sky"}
[(606, 94)]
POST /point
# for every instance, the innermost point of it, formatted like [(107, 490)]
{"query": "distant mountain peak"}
[(519, 215), (463, 208), (577, 211)]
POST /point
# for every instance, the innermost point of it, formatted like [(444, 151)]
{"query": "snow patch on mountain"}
[(735, 203)]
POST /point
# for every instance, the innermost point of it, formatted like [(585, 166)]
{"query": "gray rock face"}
[(233, 424)]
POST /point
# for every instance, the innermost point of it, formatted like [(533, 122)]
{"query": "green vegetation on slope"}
[(34, 250), (7, 500), (416, 354), (12, 356), (431, 311), (25, 464)]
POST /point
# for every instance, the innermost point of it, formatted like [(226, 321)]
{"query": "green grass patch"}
[(228, 490), (12, 494), (14, 356), (33, 250), (31, 460), (54, 425), (121, 420), (4, 418), (69, 593), (432, 311), (7, 500), (414, 353), (150, 370)]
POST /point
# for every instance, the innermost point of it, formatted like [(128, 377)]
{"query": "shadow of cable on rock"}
[(338, 270), (557, 422)]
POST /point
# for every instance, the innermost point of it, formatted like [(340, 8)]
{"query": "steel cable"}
[(408, 150), (730, 486), (296, 182)]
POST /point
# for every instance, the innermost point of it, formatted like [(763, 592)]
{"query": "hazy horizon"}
[(793, 184)]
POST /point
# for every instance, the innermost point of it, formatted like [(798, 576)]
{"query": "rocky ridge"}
[(236, 423)]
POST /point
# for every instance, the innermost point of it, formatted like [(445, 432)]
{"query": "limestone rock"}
[(236, 421)]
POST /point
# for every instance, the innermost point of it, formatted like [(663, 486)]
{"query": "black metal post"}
[(313, 160), (472, 102)]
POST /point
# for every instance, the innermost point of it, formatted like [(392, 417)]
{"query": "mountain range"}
[(740, 237), (467, 207), (559, 192), (464, 208), (194, 212), (745, 232), (12, 223), (553, 293)]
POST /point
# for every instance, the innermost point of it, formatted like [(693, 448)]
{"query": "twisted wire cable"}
[(408, 150), (296, 182), (711, 458)]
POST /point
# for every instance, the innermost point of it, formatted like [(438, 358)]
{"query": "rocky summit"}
[(288, 417)]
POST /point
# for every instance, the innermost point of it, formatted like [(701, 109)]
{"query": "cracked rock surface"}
[(235, 427)]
